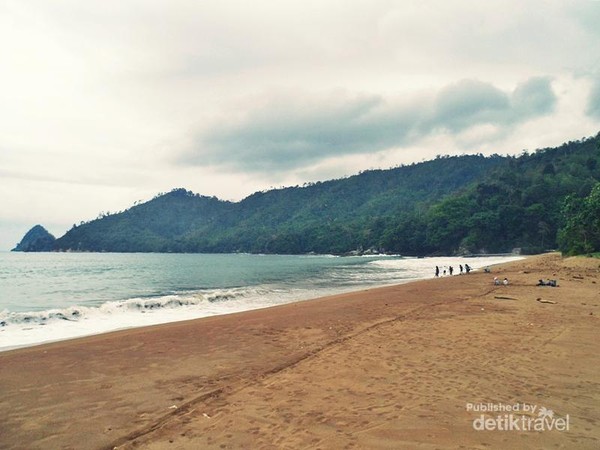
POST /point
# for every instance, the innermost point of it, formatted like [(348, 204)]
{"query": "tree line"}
[(450, 205)]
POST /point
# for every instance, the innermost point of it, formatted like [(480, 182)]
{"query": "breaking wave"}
[(189, 300), (67, 302)]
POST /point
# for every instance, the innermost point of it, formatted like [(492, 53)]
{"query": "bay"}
[(52, 296)]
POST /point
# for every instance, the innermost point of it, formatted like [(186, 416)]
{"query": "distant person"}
[(461, 268), (451, 269), (444, 272), (496, 281), (505, 282), (437, 271), (467, 268)]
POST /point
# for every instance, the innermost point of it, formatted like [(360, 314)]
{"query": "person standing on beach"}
[(461, 268), (451, 269), (467, 268), (437, 271)]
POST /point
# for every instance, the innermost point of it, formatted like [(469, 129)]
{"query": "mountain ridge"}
[(267, 218), (448, 205)]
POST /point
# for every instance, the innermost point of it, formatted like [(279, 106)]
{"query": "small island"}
[(38, 239)]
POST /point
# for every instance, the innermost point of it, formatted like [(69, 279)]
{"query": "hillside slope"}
[(38, 239), (325, 217), (449, 205)]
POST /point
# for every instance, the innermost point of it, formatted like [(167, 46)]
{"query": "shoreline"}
[(389, 367), (150, 327), (193, 319), (90, 320), (161, 324)]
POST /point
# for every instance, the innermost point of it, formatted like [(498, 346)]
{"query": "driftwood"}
[(501, 297), (546, 301)]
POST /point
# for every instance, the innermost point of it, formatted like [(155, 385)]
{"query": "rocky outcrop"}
[(38, 239)]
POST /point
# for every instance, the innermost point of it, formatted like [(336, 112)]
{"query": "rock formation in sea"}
[(38, 239)]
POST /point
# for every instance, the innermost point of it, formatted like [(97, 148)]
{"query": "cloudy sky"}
[(106, 102)]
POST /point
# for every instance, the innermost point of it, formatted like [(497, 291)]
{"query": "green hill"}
[(447, 205), (518, 204), (322, 217), (38, 239)]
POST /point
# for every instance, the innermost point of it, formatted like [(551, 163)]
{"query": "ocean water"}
[(52, 296)]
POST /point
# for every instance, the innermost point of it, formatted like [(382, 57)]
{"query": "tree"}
[(543, 230), (581, 230)]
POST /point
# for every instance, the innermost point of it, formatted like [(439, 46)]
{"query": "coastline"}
[(389, 367), (146, 301)]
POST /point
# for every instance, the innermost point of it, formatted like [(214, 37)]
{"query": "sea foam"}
[(18, 329), (26, 328)]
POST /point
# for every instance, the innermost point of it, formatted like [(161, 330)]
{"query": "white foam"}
[(425, 267), (22, 329)]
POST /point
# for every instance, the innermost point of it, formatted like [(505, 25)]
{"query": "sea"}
[(48, 297)]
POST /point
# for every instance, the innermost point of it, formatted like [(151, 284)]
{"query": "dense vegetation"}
[(38, 239), (445, 206), (581, 230), (519, 204), (326, 217)]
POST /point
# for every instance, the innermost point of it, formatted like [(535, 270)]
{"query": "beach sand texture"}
[(384, 368)]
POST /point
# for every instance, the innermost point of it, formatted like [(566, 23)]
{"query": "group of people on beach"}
[(450, 270), (497, 281)]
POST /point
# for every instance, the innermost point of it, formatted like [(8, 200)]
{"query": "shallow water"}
[(53, 296)]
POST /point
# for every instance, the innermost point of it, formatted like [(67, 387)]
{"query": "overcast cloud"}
[(103, 103), (593, 108), (289, 133)]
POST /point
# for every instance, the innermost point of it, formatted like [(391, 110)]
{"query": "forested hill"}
[(450, 204), (520, 204), (324, 217)]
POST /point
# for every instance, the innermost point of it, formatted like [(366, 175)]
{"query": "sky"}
[(107, 102)]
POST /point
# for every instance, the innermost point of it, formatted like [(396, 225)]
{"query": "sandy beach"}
[(416, 366)]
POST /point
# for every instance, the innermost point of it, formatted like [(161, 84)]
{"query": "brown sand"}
[(384, 368)]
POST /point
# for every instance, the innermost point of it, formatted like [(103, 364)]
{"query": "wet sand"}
[(393, 367)]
